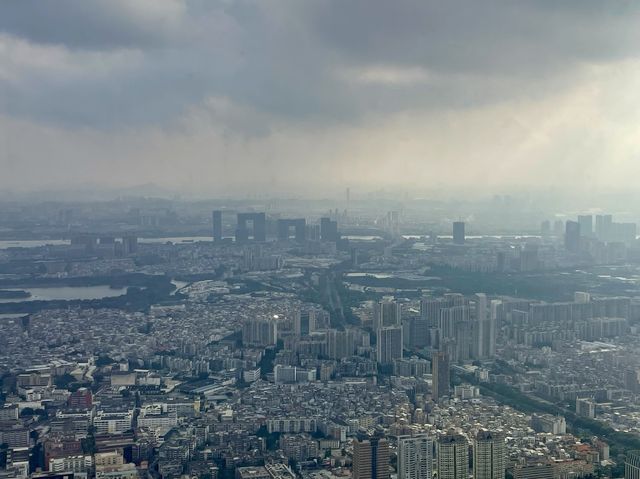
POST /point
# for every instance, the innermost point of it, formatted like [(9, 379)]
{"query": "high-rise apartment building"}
[(386, 313), (415, 457), (572, 236), (632, 465), (260, 332), (370, 458), (603, 227), (340, 344), (586, 225), (453, 457), (484, 329), (389, 345), (489, 456)]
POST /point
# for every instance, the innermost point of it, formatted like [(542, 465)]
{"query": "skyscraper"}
[(259, 227), (496, 306), (329, 230), (489, 456), (430, 310), (481, 328), (458, 232), (130, 244), (572, 236), (632, 465), (453, 457), (386, 313), (370, 458), (299, 226), (603, 227), (217, 225), (440, 375), (340, 344), (415, 457), (545, 228), (389, 344), (586, 225)]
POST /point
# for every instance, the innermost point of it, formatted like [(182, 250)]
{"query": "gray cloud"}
[(102, 24), (286, 57), (236, 79)]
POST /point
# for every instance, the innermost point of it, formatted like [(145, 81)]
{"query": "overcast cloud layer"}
[(236, 96)]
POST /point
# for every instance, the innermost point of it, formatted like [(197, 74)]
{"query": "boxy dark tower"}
[(217, 225)]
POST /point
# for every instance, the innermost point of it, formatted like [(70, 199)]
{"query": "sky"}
[(308, 97)]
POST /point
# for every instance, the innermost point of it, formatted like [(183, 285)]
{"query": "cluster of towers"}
[(419, 453), (252, 227)]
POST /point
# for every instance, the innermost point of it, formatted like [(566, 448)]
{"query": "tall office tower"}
[(130, 244), (489, 456), (217, 225), (481, 328), (415, 457), (370, 458), (632, 465), (440, 375), (393, 223), (418, 331), (545, 228), (458, 232), (453, 457), (572, 236), (586, 225), (329, 230), (299, 226), (558, 228), (259, 227), (297, 323), (389, 344), (386, 313), (604, 226), (607, 226)]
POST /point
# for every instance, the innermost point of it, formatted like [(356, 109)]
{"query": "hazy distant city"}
[(158, 338), (319, 239)]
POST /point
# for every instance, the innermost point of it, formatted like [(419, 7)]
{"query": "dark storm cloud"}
[(88, 24), (479, 36), (326, 62)]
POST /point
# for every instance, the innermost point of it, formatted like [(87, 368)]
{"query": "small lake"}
[(66, 293)]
